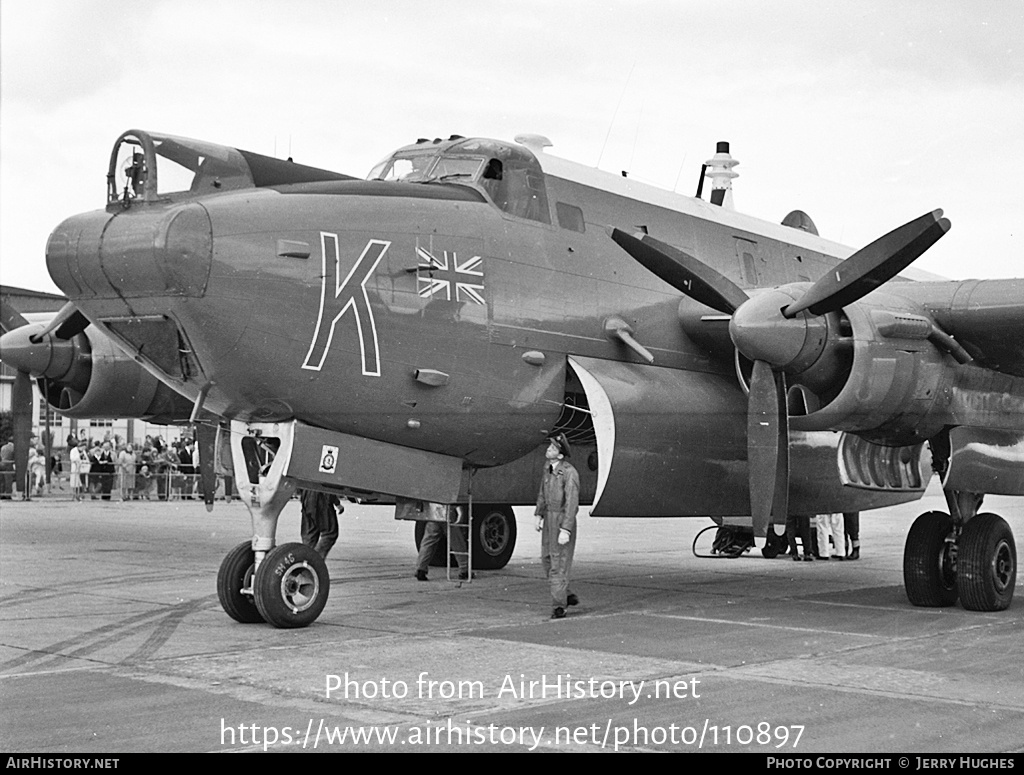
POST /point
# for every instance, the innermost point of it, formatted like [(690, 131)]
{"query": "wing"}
[(986, 317)]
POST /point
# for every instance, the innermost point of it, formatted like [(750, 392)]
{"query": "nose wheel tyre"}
[(930, 561), (291, 586), (987, 569), (235, 574)]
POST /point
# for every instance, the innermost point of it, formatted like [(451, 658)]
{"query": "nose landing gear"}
[(288, 585)]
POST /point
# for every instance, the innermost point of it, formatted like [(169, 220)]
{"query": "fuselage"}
[(450, 313)]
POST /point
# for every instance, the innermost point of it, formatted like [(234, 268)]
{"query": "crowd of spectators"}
[(154, 470)]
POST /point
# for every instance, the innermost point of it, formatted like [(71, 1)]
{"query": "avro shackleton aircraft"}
[(419, 333)]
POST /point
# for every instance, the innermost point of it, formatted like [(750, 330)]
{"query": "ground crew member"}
[(851, 526), (434, 531), (799, 525), (557, 504), (320, 520)]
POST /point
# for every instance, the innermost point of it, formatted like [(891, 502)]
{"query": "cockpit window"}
[(512, 178), (452, 168), (426, 168), (410, 168), (519, 190), (509, 175)]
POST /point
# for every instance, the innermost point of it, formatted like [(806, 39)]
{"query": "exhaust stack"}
[(719, 169)]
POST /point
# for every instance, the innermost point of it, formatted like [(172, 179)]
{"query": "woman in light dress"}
[(77, 464), (126, 466)]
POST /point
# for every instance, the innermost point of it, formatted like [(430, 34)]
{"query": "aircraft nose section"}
[(142, 252)]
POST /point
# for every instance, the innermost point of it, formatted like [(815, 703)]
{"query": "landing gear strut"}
[(287, 585), (970, 556)]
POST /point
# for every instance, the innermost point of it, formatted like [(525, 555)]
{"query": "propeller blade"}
[(66, 324), (780, 503), (73, 326), (871, 266), (767, 447), (10, 318), (21, 410), (683, 272)]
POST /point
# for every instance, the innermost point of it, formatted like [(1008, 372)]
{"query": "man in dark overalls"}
[(320, 512)]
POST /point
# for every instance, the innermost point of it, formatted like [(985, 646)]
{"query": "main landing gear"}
[(493, 536), (285, 585), (971, 557)]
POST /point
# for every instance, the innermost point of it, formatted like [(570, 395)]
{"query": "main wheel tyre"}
[(930, 561), (987, 566), (291, 586), (235, 574), (493, 535)]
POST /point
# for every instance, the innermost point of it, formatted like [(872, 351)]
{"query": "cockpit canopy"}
[(149, 167), (508, 174)]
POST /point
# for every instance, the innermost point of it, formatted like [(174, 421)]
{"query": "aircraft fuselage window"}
[(570, 217), (749, 269)]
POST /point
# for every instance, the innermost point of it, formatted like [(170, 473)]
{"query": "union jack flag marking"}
[(445, 276)]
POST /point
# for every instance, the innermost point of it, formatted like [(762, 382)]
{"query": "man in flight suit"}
[(557, 504)]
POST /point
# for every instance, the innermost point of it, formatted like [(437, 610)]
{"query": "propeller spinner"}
[(781, 334)]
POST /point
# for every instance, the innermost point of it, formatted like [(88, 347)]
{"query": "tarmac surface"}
[(112, 640)]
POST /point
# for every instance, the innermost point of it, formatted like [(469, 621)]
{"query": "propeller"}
[(871, 266), (54, 353), (782, 332)]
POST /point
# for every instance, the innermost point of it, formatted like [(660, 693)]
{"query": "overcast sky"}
[(864, 114)]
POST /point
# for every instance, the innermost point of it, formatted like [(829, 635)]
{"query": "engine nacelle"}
[(898, 388), (115, 386)]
